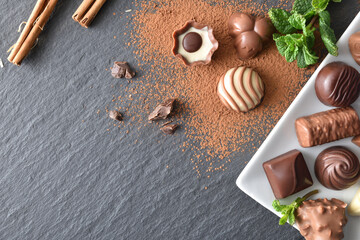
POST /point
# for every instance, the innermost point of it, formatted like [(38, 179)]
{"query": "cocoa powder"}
[(212, 132)]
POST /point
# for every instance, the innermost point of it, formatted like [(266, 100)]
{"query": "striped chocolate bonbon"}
[(241, 89)]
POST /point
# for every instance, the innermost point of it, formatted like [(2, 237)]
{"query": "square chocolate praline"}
[(288, 174)]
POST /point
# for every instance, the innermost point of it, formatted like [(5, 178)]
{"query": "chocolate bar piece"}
[(327, 126), (288, 174)]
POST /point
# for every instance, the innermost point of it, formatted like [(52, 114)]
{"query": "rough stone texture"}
[(61, 178)]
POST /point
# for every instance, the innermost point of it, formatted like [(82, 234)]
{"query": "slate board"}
[(63, 176)]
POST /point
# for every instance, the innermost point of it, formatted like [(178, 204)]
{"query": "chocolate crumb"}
[(122, 69), (163, 110), (169, 128), (116, 115)]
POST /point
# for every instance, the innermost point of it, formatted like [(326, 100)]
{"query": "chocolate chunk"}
[(337, 168), (192, 42), (356, 140), (327, 126), (249, 34), (288, 174), (116, 115), (338, 84), (169, 128), (162, 111), (354, 46), (321, 219), (122, 69)]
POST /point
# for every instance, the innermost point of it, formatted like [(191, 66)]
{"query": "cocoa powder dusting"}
[(212, 132)]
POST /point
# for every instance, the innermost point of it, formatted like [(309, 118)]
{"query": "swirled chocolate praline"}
[(337, 168)]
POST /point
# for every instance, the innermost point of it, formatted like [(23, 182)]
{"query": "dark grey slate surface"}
[(61, 178)]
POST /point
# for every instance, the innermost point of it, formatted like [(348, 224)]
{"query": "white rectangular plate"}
[(282, 138)]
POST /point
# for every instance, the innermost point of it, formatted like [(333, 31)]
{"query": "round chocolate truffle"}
[(354, 46), (192, 42), (337, 168), (240, 89), (337, 84)]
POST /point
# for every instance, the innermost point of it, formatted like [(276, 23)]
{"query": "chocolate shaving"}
[(116, 115), (162, 111), (122, 69), (169, 128)]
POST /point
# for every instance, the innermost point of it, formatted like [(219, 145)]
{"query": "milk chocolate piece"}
[(338, 84), (169, 128), (162, 111), (115, 115), (321, 219), (249, 34), (356, 140), (194, 43), (354, 46), (122, 69), (288, 174), (337, 168), (327, 126)]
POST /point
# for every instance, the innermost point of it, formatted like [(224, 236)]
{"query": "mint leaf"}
[(301, 59), (297, 21), (310, 39), (292, 216), (327, 34), (336, 1), (280, 19), (283, 220), (320, 5), (310, 57), (288, 211), (302, 6)]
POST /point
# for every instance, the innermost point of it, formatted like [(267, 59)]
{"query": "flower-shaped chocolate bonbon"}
[(249, 34), (194, 43)]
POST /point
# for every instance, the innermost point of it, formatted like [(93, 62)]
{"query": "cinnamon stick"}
[(87, 11), (35, 24)]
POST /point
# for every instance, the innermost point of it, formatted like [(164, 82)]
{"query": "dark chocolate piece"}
[(122, 69), (288, 174), (337, 168), (163, 110), (354, 46), (327, 126), (338, 84), (249, 34), (192, 42), (321, 219), (356, 140), (115, 115), (169, 128)]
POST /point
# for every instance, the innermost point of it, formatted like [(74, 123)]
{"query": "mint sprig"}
[(296, 41), (288, 211)]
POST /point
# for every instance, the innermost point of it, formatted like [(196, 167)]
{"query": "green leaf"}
[(283, 220), (301, 59), (338, 1), (297, 21), (327, 34), (277, 206), (292, 217), (320, 5), (310, 57), (302, 6), (280, 19), (310, 39)]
